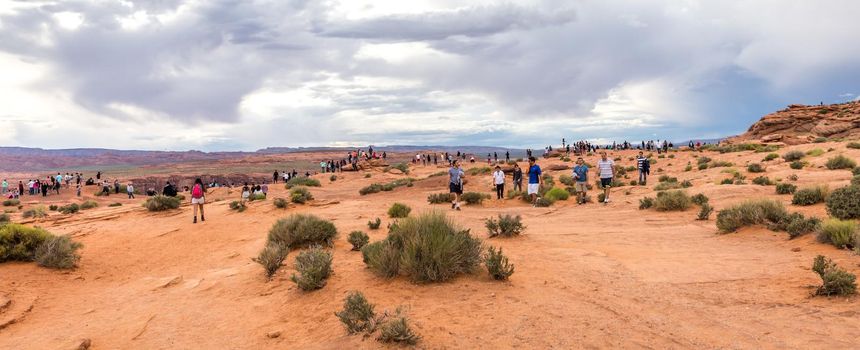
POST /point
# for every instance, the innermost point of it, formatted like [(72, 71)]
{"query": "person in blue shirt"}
[(580, 175), (534, 180)]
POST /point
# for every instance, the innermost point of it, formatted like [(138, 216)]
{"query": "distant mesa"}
[(799, 124)]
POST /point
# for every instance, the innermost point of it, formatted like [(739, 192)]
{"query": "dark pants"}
[(518, 185), (131, 195), (643, 177), (500, 191)]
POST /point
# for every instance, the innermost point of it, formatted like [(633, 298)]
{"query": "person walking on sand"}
[(130, 190), (644, 168), (455, 183), (198, 198), (580, 175), (275, 176), (534, 180), (518, 178), (606, 170), (499, 182)]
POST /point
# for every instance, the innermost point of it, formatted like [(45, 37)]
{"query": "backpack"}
[(197, 191)]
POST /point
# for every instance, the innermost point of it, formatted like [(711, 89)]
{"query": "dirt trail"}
[(590, 276)]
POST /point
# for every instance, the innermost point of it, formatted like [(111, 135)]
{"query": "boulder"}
[(771, 138), (557, 167)]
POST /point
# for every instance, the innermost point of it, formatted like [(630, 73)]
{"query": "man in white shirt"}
[(606, 170), (499, 181)]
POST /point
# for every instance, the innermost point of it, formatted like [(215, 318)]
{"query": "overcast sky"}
[(243, 74)]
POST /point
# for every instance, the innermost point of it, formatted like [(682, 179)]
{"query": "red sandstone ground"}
[(590, 276)]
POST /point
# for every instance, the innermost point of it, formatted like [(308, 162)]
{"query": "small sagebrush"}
[(161, 203), (755, 168), (302, 181), (314, 267), (672, 201), (272, 257), (752, 212), (557, 194), (793, 156), (89, 204), (770, 157), (280, 203), (58, 252), (437, 198), (238, 206), (357, 314), (840, 162), (844, 203), (35, 212), (399, 210), (699, 199), (835, 280), (796, 224), (646, 203), (762, 181), (300, 230), (810, 195), (358, 239), (497, 264), (11, 202), (473, 198), (840, 233), (374, 224), (705, 211), (300, 195), (69, 208), (785, 188), (505, 226), (396, 330)]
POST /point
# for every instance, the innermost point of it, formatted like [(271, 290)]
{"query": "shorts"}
[(580, 186), (455, 188), (605, 182), (200, 200), (533, 188)]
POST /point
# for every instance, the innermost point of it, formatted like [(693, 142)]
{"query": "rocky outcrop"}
[(801, 124)]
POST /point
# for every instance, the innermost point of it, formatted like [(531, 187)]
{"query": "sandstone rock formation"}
[(801, 124)]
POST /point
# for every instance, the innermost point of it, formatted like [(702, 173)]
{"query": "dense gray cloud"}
[(251, 74)]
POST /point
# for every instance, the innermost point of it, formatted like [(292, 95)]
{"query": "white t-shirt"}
[(604, 168), (498, 177)]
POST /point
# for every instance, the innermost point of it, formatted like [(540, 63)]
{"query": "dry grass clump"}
[(815, 152), (762, 181), (280, 203), (835, 280), (22, 243), (810, 195), (755, 168), (844, 203), (257, 197), (358, 239), (646, 203), (672, 201), (505, 226), (272, 257), (299, 230), (840, 233), (357, 314), (302, 181), (853, 145), (69, 208), (11, 202), (314, 267), (699, 199), (403, 167), (796, 224), (161, 203), (377, 187), (557, 194), (300, 195), (792, 156), (704, 212), (58, 252), (396, 330), (238, 206), (544, 202), (89, 204), (497, 264), (472, 198), (785, 188), (399, 210), (840, 162), (749, 213), (37, 212), (438, 198), (770, 157), (374, 224)]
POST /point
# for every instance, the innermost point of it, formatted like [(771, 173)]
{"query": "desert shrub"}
[(663, 186), (703, 160), (548, 181), (544, 202), (840, 162), (566, 180), (796, 165), (703, 166), (113, 205), (314, 267), (672, 201), (19, 242), (840, 233), (280, 203), (688, 168), (332, 178), (844, 203), (374, 224), (792, 177), (792, 156), (820, 139), (58, 252), (403, 167), (357, 314), (358, 239), (299, 230), (720, 164), (437, 198), (300, 195), (257, 197), (853, 145), (762, 181), (372, 188), (37, 212), (785, 188), (505, 226), (396, 330), (53, 207), (705, 211), (815, 152), (479, 171), (161, 203), (89, 204), (556, 194), (646, 203), (810, 195), (497, 264), (755, 168), (796, 224), (238, 206), (753, 212), (271, 257), (686, 184), (427, 248), (667, 178), (11, 202), (474, 197), (770, 157), (4, 219), (377, 187), (399, 210), (835, 280), (855, 181), (69, 208), (600, 197), (367, 176), (726, 181), (302, 181), (699, 199)]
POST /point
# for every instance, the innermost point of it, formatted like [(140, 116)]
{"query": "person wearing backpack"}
[(198, 197)]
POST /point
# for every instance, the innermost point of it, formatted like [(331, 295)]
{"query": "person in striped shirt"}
[(644, 168), (606, 170)]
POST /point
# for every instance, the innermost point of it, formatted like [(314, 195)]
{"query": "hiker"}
[(130, 190), (606, 170), (499, 182), (246, 192), (78, 189), (518, 178), (116, 186), (580, 175), (275, 176), (644, 168), (265, 190), (507, 156), (198, 197), (534, 180), (5, 186), (20, 188), (169, 190), (455, 183)]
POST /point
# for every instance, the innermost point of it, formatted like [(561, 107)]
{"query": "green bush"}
[(703, 166), (272, 257), (753, 212), (770, 157), (374, 225), (113, 205), (688, 168), (840, 233), (600, 197), (727, 182), (314, 267), (89, 204), (403, 167), (853, 145), (53, 207), (844, 203), (835, 280), (472, 198), (300, 195), (556, 194), (755, 168), (785, 188), (543, 202), (11, 202), (855, 181), (810, 195), (820, 139), (437, 198), (257, 197), (815, 152), (58, 252), (372, 188), (396, 330), (505, 226), (792, 156), (796, 165), (566, 180), (4, 219), (161, 203), (358, 239), (399, 210), (69, 208), (302, 181), (427, 248), (762, 181), (705, 211), (377, 187), (19, 242), (646, 203), (672, 201), (301, 230), (332, 178), (37, 212), (238, 206), (280, 203), (699, 199), (357, 314), (479, 171), (796, 225), (840, 162), (497, 264)]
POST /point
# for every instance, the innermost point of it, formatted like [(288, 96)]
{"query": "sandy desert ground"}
[(592, 276)]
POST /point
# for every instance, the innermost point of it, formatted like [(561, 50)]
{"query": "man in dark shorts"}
[(455, 183)]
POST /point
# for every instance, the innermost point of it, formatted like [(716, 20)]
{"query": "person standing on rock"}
[(534, 180), (130, 190), (499, 182), (606, 170), (198, 198), (518, 178), (455, 183)]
